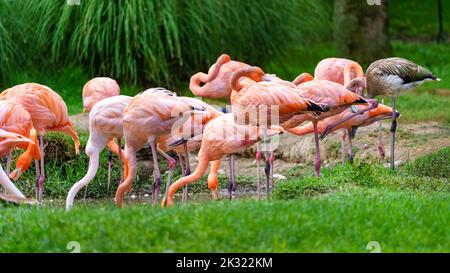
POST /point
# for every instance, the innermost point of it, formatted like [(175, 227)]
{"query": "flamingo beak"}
[(16, 174)]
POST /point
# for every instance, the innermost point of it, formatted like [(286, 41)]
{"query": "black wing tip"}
[(178, 142), (202, 109), (361, 100), (315, 107)]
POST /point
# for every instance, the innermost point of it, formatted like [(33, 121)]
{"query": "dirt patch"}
[(413, 140), (81, 121)]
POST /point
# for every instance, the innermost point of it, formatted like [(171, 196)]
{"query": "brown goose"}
[(389, 77)]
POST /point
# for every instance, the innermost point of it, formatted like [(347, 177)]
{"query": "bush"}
[(434, 165), (165, 41)]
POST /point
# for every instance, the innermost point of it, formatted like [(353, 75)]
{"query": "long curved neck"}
[(254, 73), (302, 130), (8, 186), (92, 171), (195, 176), (356, 68), (199, 78)]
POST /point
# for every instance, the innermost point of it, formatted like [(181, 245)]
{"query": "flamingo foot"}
[(215, 195)]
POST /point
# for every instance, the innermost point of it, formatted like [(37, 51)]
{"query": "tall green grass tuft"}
[(164, 42)]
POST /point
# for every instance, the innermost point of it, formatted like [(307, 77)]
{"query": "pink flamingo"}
[(48, 113), (345, 72), (258, 102), (216, 82), (8, 141), (337, 97), (105, 124), (14, 118), (94, 91), (149, 116), (98, 89), (221, 136), (367, 118)]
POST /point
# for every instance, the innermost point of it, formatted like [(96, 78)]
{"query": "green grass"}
[(417, 19), (405, 211), (434, 165), (340, 222)]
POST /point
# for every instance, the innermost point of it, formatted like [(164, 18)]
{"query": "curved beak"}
[(16, 174)]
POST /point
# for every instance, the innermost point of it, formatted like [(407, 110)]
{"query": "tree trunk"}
[(361, 29)]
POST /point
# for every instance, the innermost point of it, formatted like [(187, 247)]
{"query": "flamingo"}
[(14, 118), (149, 116), (345, 72), (392, 76), (216, 85), (216, 82), (254, 104), (222, 136), (105, 124), (95, 90), (48, 113), (190, 137), (98, 89), (367, 118), (8, 141), (188, 134), (338, 98)]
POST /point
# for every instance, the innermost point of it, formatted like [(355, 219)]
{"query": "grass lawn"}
[(405, 211)]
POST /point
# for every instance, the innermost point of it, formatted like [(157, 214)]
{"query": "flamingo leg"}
[(393, 130), (272, 164), (119, 142), (182, 162), (8, 163), (380, 140), (267, 168), (38, 175), (172, 164), (258, 170), (187, 172), (156, 174), (318, 162), (231, 187), (109, 169), (41, 179), (344, 136), (350, 148)]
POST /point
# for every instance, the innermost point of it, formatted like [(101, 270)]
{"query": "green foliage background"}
[(156, 41)]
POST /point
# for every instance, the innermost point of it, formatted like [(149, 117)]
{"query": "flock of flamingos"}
[(263, 105)]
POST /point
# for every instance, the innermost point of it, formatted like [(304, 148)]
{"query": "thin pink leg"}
[(258, 170), (381, 150), (8, 163), (318, 162), (41, 179), (344, 136)]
